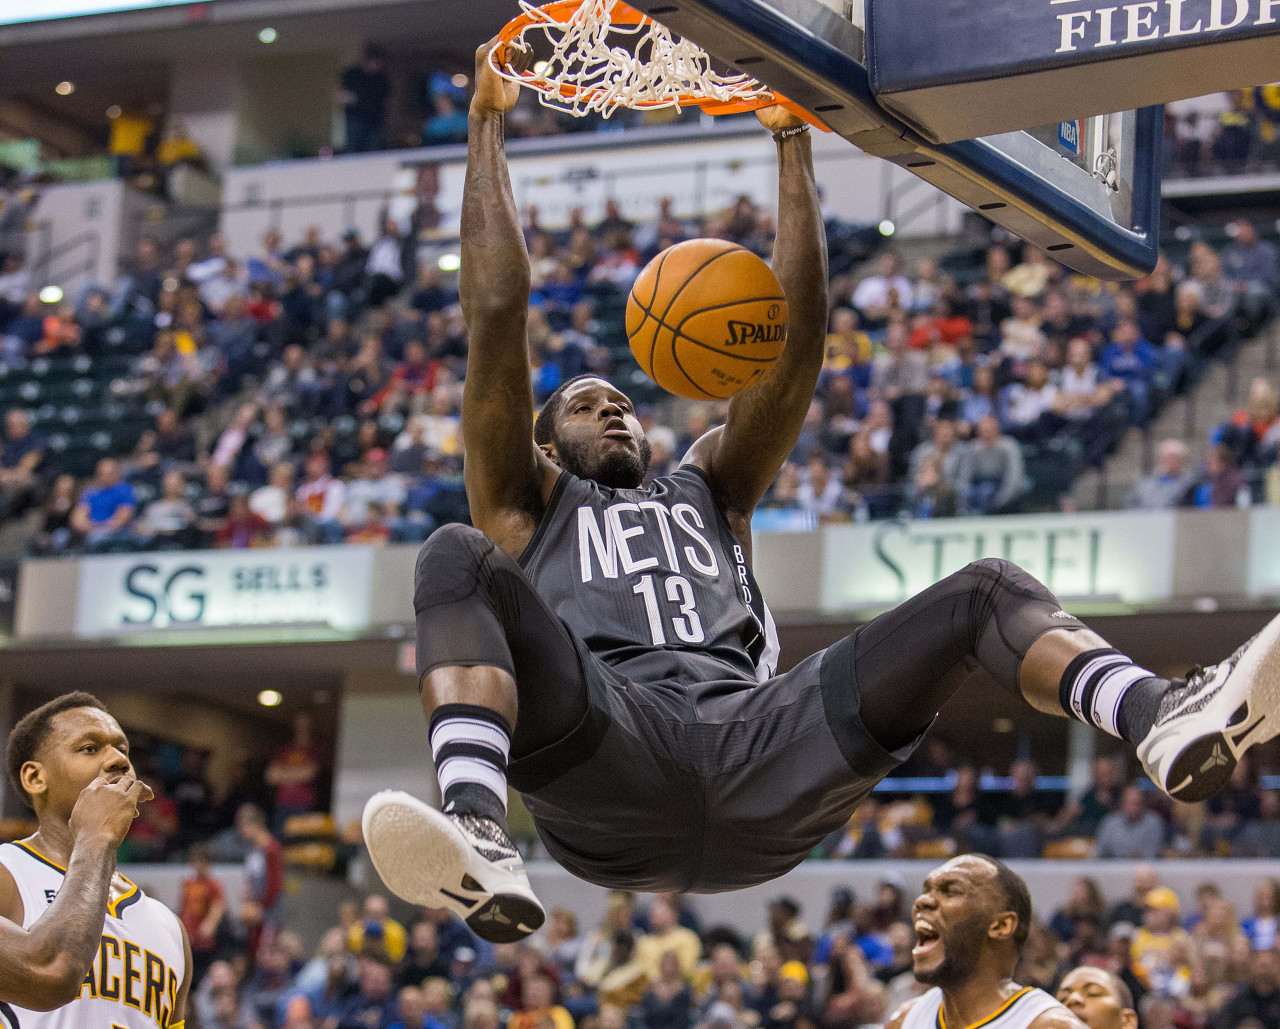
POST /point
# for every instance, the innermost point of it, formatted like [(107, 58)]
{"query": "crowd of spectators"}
[(1224, 133), (1190, 963), (1025, 815), (310, 393)]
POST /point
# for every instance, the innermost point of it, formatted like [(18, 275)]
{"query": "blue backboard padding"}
[(1137, 244), (917, 43), (814, 72)]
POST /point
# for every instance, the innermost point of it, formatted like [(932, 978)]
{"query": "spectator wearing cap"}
[(1161, 948), (792, 1011), (1132, 832), (666, 933), (378, 932)]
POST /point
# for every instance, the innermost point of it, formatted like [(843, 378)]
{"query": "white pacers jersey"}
[(1018, 1012), (133, 983)]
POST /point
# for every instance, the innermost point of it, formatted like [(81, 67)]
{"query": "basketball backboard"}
[(1088, 191)]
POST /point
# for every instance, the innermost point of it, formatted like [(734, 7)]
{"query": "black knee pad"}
[(452, 565), (1013, 610), (457, 599)]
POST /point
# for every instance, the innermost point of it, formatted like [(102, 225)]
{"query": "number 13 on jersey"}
[(685, 623)]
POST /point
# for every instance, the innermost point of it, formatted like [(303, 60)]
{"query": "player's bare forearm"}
[(43, 968), (765, 420), (497, 406)]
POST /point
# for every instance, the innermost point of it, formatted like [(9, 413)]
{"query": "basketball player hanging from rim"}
[(602, 646)]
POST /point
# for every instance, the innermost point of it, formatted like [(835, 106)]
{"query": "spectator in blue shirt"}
[(28, 326), (106, 510), (413, 1011), (1132, 360), (374, 1007)]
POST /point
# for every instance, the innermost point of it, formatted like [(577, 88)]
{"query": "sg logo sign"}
[(177, 598)]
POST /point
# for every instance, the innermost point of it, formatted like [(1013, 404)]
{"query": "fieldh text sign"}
[(957, 69)]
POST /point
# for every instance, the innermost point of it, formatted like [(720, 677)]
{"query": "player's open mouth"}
[(927, 937), (617, 433)]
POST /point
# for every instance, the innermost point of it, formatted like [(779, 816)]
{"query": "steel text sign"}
[(1107, 555), (323, 586)]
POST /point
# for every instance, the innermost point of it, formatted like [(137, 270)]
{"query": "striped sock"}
[(471, 746), (1097, 683)]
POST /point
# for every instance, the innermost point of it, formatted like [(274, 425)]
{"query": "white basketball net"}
[(585, 75)]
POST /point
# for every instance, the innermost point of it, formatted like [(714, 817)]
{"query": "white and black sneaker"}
[(1207, 722), (463, 862)]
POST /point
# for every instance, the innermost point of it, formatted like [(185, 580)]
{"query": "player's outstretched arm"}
[(504, 470), (43, 967), (764, 420)]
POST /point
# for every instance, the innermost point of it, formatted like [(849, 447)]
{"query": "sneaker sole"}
[(423, 858), (1205, 767)]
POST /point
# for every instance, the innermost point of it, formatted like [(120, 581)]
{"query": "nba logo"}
[(1071, 137)]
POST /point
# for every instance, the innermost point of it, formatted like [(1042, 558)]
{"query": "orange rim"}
[(622, 14)]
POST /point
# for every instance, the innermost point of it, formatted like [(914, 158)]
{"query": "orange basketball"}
[(706, 318)]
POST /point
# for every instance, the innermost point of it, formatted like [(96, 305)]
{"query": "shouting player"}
[(78, 940), (971, 923), (602, 645)]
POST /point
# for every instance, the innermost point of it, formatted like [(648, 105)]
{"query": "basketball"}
[(705, 318)]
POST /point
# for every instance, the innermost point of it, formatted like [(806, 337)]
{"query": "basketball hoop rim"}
[(558, 11)]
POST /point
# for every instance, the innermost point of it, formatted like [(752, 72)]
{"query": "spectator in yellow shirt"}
[(666, 933), (1161, 948), (377, 929), (540, 1010)]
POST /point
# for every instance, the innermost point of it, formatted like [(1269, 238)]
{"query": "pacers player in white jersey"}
[(81, 947), (971, 923)]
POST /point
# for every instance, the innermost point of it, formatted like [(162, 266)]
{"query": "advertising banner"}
[(318, 586), (1119, 555)]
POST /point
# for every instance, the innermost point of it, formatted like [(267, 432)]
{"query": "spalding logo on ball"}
[(706, 318)]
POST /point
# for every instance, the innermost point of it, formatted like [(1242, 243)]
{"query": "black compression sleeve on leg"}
[(909, 662), (456, 603)]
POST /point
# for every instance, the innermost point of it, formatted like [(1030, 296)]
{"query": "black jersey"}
[(653, 580)]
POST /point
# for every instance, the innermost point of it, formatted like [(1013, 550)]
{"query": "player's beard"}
[(962, 947), (617, 467)]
